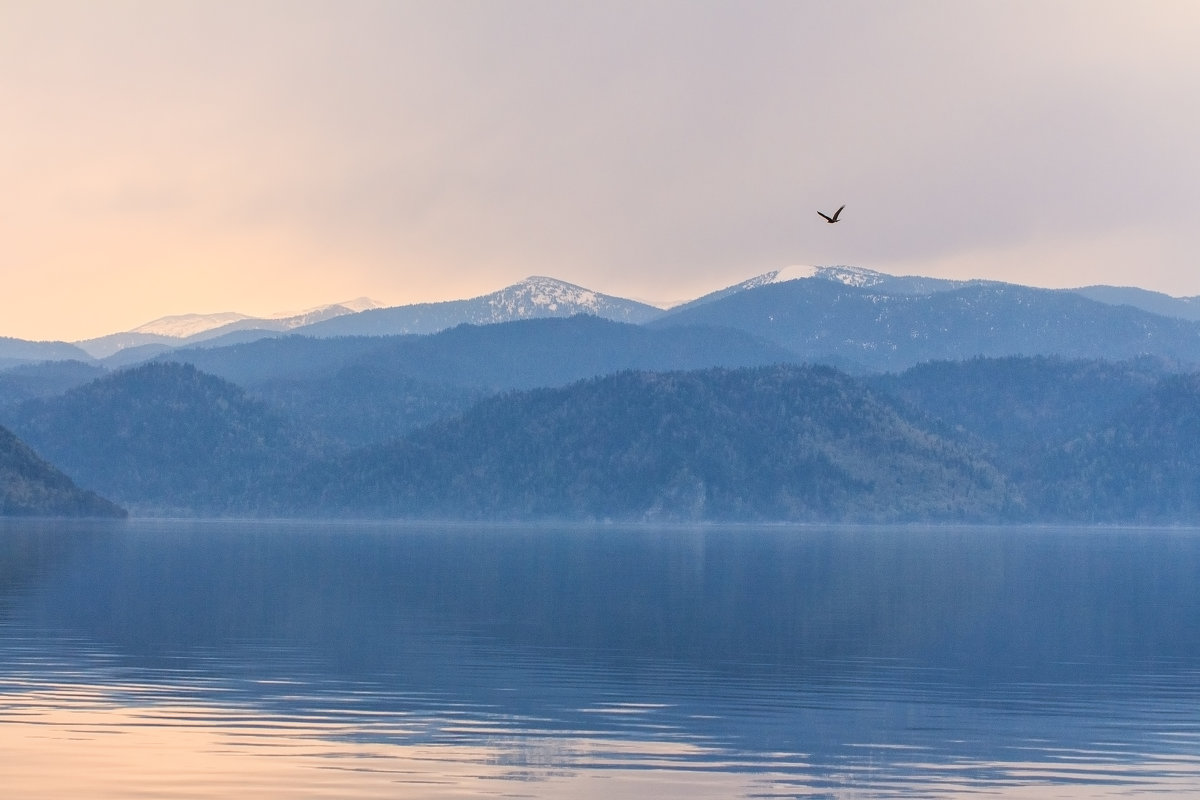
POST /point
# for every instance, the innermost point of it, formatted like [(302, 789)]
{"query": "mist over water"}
[(215, 659)]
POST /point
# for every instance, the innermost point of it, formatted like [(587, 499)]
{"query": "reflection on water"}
[(174, 659)]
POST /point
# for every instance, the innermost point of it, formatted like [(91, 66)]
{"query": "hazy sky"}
[(166, 156)]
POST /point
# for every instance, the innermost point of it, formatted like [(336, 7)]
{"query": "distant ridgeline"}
[(844, 395)]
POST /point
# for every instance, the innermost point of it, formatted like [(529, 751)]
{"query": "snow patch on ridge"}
[(850, 276), (537, 295), (183, 326)]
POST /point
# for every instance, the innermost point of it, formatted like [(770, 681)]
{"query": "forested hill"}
[(768, 443), (1142, 465), (31, 487), (165, 438), (997, 440), (1018, 406)]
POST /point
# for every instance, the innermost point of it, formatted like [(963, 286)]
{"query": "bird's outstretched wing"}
[(834, 218)]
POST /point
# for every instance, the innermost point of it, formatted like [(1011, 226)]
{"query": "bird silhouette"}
[(834, 218)]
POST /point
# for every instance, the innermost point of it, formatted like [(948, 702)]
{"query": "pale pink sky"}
[(171, 157)]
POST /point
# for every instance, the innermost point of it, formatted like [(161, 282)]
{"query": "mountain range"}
[(186, 329), (871, 330), (831, 393), (538, 297)]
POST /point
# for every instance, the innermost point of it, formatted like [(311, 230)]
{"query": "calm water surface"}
[(204, 660)]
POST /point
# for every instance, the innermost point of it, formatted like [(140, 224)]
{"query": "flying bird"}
[(834, 218)]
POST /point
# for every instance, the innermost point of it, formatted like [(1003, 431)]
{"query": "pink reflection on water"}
[(64, 741)]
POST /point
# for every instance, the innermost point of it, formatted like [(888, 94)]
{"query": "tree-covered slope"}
[(165, 437), (1085, 441), (31, 487), (1016, 405), (364, 403), (1008, 439), (1143, 465), (778, 443)]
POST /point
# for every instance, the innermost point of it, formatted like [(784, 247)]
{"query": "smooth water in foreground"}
[(206, 660)]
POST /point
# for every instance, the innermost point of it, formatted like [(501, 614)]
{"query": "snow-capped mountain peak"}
[(537, 294), (850, 276), (360, 304), (181, 326)]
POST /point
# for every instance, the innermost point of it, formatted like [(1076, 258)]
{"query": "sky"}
[(164, 157)]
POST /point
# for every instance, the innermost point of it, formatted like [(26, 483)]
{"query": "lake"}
[(185, 659)]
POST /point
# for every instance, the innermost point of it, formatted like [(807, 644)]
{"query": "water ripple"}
[(130, 672)]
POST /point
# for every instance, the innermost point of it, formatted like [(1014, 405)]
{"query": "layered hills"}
[(534, 297), (770, 443), (939, 400), (164, 437), (181, 330), (998, 440), (861, 319)]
